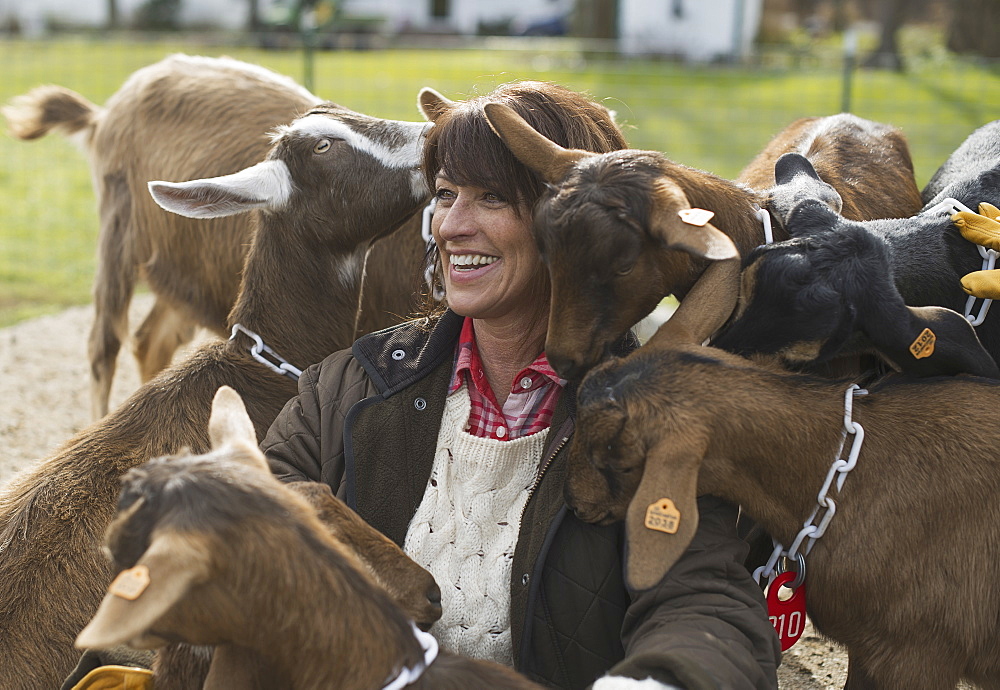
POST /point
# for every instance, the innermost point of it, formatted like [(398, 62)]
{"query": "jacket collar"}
[(396, 357)]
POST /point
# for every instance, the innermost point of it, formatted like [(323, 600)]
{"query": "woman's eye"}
[(322, 146), (444, 194)]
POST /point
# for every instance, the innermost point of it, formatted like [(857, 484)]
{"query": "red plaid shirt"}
[(529, 406)]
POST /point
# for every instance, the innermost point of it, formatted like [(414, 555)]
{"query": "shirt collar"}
[(469, 365)]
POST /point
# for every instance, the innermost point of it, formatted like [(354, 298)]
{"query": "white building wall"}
[(225, 14), (34, 15), (464, 16), (698, 30)]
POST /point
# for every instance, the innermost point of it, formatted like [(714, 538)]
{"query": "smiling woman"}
[(448, 434)]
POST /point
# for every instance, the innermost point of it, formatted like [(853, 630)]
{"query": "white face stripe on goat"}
[(406, 156)]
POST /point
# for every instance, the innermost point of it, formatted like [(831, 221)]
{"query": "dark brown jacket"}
[(366, 423)]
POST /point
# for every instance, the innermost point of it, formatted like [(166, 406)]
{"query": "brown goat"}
[(179, 119), (286, 604), (333, 182), (898, 576), (601, 224)]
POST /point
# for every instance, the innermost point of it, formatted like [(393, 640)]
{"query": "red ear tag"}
[(788, 617)]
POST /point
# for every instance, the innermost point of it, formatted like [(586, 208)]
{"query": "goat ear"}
[(140, 596), (662, 517), (229, 421), (791, 164), (229, 425), (698, 238), (542, 155), (265, 185), (931, 341), (432, 104)]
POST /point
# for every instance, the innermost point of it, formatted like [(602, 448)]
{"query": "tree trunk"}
[(253, 16), (891, 15), (113, 21), (972, 29)]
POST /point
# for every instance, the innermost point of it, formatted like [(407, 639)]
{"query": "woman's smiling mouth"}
[(470, 262)]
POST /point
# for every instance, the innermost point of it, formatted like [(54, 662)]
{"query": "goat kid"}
[(807, 298), (333, 182), (286, 604), (183, 118), (609, 224), (828, 292), (677, 420)]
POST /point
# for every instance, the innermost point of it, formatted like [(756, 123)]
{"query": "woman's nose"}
[(457, 220)]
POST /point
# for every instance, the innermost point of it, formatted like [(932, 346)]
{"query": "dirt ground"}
[(44, 400)]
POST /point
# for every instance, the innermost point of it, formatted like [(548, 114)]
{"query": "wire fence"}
[(714, 117)]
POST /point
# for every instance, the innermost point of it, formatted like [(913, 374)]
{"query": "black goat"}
[(840, 286)]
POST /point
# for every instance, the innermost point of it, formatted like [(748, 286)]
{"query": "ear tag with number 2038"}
[(788, 617)]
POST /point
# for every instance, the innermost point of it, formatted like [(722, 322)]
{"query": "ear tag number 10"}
[(788, 617)]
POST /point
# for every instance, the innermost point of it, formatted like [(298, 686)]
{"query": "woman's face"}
[(492, 268)]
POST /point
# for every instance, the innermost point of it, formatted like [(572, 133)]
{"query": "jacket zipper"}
[(541, 472)]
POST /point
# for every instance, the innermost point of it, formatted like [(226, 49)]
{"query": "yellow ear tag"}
[(130, 583), (663, 516), (923, 346), (696, 216)]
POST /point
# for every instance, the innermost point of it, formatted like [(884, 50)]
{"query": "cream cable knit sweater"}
[(465, 529)]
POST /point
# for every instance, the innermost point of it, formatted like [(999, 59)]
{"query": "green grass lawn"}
[(715, 118)]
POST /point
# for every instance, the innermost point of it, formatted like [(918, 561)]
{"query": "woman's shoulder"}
[(337, 371), (396, 356)]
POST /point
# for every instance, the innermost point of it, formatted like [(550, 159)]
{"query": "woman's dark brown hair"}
[(462, 143)]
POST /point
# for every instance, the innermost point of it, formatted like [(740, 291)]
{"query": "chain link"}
[(259, 348), (952, 206), (826, 507)]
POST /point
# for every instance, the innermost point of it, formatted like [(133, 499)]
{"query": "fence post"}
[(308, 33), (850, 59)]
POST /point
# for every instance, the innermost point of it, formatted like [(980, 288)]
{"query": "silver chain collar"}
[(409, 675), (825, 506), (259, 349)]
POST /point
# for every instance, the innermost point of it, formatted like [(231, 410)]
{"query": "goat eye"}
[(322, 146), (625, 271)]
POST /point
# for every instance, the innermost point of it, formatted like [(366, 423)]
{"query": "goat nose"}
[(434, 594), (566, 367)]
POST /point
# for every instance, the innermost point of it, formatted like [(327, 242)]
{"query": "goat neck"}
[(351, 635), (288, 283)]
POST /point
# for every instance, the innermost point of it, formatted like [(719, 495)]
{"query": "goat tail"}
[(46, 108)]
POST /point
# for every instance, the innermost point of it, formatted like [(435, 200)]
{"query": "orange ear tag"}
[(923, 346), (696, 216), (130, 583), (663, 516)]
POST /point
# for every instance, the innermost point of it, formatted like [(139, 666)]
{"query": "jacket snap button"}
[(524, 579), (398, 355), (420, 403)]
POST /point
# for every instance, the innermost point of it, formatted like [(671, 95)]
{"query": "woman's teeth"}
[(467, 262)]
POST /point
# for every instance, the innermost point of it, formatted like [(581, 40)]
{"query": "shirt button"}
[(526, 382), (501, 432)]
